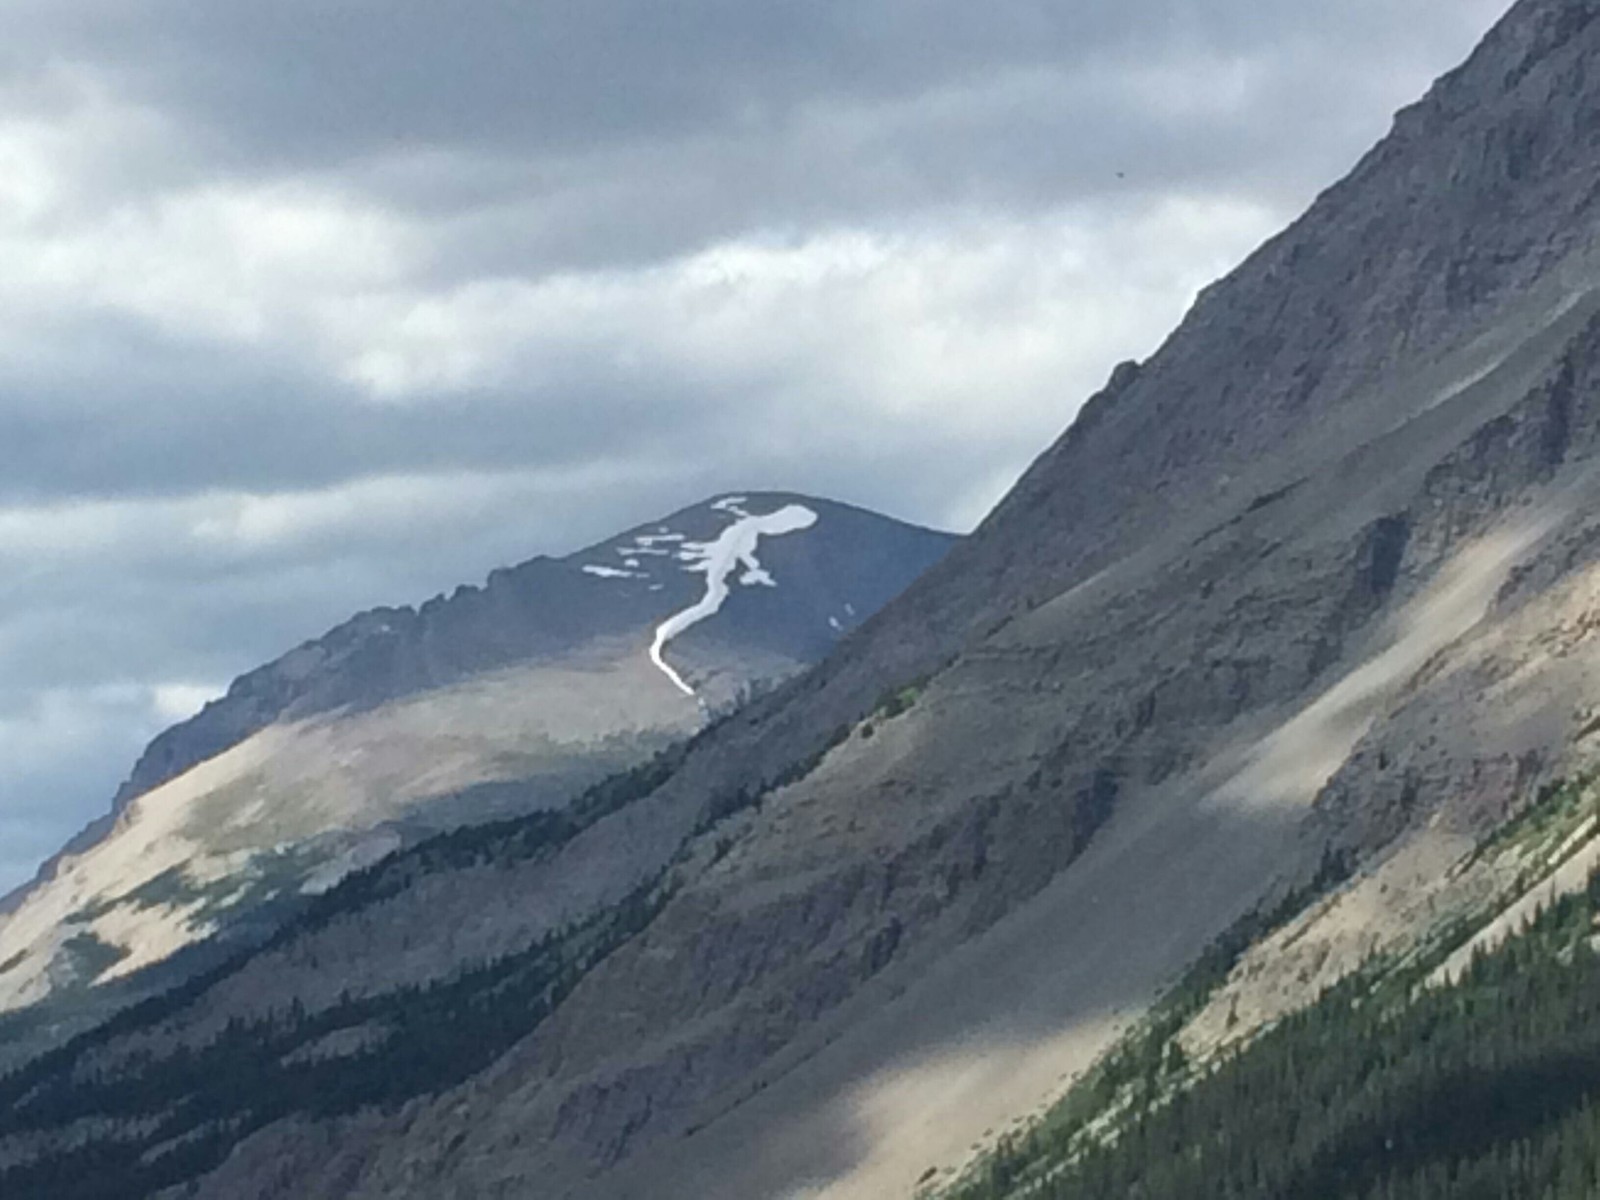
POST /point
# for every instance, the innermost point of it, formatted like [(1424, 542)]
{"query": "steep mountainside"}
[(1310, 593), (1395, 1082), (509, 698)]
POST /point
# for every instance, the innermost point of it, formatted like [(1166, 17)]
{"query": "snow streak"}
[(717, 560)]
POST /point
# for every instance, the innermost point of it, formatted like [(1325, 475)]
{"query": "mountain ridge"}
[(1314, 582), (352, 636), (508, 697)]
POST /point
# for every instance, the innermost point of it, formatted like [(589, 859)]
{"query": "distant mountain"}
[(501, 699)]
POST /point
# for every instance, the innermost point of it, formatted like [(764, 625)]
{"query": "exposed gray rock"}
[(545, 607), (505, 699), (1214, 628)]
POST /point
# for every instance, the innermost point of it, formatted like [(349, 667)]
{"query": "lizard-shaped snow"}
[(717, 560)]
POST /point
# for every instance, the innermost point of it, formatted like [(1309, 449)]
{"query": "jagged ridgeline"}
[(1297, 619), (500, 700)]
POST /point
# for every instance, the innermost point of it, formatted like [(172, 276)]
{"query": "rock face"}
[(502, 699), (542, 609), (1231, 618)]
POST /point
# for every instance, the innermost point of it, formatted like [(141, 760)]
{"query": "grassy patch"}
[(1540, 829), (263, 878), (88, 957), (899, 700)]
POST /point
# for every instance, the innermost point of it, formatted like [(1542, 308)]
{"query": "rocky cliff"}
[(1222, 632)]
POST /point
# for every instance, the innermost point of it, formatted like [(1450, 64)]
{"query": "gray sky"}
[(311, 305)]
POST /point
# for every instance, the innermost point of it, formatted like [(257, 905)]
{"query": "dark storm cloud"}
[(303, 81), (318, 304), (134, 415), (184, 416), (623, 130)]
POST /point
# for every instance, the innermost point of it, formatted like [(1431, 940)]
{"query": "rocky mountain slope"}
[(1313, 588), (499, 700), (1458, 1059)]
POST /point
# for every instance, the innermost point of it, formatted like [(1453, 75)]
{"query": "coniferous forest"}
[(184, 1111), (1385, 1089)]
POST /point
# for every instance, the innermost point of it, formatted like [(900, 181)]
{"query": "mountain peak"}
[(1274, 638), (496, 699), (539, 608)]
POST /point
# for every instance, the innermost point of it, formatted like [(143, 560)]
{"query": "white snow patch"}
[(717, 560), (851, 609), (650, 539), (610, 573), (834, 621)]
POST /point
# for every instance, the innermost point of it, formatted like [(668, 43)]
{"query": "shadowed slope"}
[(886, 912)]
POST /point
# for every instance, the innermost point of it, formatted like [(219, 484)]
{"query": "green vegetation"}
[(192, 1105), (1381, 1090), (1148, 1065), (198, 1102), (497, 843), (88, 957), (185, 1110), (893, 703), (171, 888), (1545, 826), (268, 875)]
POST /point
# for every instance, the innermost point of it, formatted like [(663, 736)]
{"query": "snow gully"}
[(717, 561)]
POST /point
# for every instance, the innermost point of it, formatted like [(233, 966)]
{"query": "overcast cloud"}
[(307, 306)]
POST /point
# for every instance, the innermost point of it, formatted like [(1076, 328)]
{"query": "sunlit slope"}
[(857, 929), (508, 699)]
